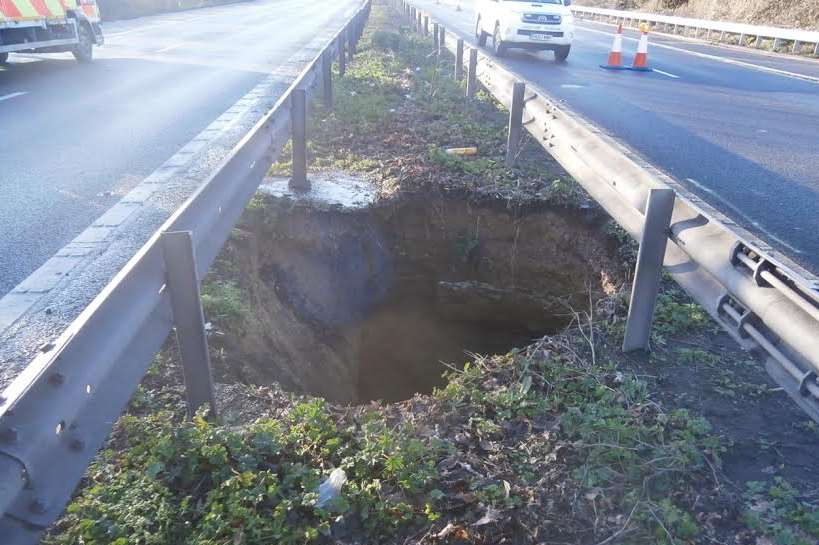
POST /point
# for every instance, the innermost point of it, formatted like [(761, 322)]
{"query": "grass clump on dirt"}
[(536, 446), (195, 482), (397, 111)]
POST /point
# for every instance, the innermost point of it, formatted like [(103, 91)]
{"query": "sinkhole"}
[(357, 298)]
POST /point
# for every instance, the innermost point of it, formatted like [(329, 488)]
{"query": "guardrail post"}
[(777, 43), (816, 49), (298, 118), (647, 277), (426, 25), (419, 22), (327, 79), (459, 60), (797, 47), (342, 56), (435, 38), (189, 319), (515, 123), (472, 74), (350, 43), (442, 40)]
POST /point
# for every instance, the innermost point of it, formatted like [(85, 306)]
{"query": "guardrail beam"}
[(189, 319)]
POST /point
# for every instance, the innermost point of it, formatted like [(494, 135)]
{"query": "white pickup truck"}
[(540, 25)]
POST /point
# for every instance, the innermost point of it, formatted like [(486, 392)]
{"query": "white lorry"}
[(50, 26), (539, 25)]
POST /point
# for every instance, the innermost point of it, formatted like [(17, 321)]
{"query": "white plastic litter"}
[(331, 487)]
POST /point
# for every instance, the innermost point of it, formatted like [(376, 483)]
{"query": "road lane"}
[(742, 139), (82, 136)]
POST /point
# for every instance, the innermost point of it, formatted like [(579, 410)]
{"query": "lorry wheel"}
[(480, 35), (4, 57), (562, 53), (497, 44), (84, 50)]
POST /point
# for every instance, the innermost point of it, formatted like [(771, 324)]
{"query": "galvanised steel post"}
[(515, 123), (459, 60), (189, 319), (342, 55), (351, 43), (442, 40), (298, 117), (426, 25), (472, 73), (327, 78), (436, 38), (647, 277)]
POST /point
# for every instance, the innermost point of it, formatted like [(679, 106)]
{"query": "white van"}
[(540, 25)]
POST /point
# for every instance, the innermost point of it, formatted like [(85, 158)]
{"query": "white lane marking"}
[(572, 86), (717, 58), (742, 215), (171, 47), (138, 29), (12, 95), (669, 74)]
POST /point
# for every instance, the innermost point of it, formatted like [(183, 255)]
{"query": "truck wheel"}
[(84, 50), (562, 53), (497, 44), (480, 35), (4, 57)]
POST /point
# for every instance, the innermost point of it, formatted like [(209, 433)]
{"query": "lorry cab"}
[(36, 26), (539, 25)]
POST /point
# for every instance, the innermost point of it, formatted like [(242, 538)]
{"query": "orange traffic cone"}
[(616, 56), (641, 60)]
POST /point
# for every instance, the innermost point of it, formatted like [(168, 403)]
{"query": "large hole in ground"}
[(358, 301)]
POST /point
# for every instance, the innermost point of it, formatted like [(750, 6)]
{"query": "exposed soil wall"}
[(366, 303)]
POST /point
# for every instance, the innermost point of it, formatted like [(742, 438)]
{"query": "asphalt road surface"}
[(76, 138), (737, 127)]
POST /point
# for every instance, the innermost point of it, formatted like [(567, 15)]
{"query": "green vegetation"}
[(777, 510), (225, 303), (200, 483), (399, 108), (619, 452)]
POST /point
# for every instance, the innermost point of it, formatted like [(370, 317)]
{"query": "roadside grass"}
[(398, 110), (224, 302)]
